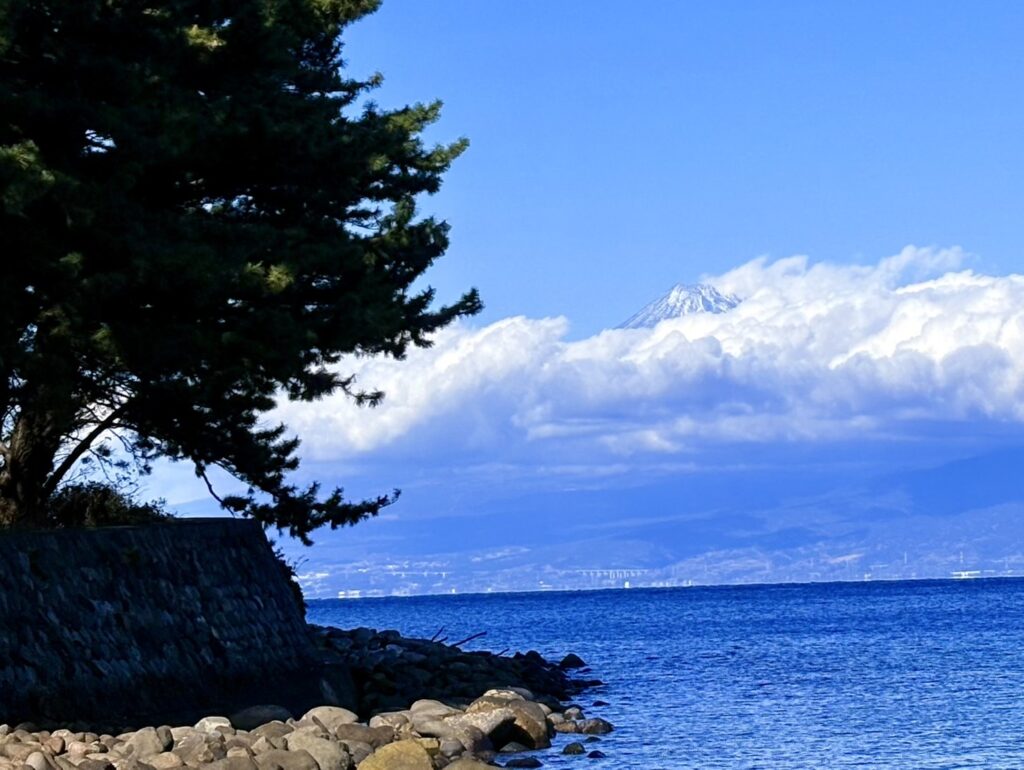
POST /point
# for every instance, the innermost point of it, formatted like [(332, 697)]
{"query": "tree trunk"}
[(29, 463)]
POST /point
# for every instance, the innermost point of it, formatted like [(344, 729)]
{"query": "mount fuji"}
[(682, 299)]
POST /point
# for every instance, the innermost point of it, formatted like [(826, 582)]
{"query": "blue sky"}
[(851, 171), (618, 149)]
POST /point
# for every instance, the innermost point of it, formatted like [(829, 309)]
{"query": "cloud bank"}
[(815, 352)]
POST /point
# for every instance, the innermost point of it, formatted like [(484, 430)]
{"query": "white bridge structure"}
[(612, 574)]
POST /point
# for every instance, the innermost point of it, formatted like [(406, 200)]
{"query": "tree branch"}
[(83, 446), (201, 473)]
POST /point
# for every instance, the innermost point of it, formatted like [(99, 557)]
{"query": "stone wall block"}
[(171, 618)]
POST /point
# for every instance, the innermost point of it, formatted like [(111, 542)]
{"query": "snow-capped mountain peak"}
[(682, 299)]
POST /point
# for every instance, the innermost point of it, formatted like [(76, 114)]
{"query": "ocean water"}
[(926, 674)]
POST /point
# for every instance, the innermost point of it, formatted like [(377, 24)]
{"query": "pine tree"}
[(200, 213)]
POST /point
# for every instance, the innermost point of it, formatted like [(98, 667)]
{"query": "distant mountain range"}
[(682, 299), (794, 522)]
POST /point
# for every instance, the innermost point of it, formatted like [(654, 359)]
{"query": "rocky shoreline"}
[(416, 705)]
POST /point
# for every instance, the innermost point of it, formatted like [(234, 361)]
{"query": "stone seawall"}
[(126, 625)]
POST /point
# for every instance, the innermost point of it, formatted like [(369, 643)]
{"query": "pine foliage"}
[(199, 212)]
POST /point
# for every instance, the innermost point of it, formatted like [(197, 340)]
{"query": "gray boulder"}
[(395, 719), (147, 742), (529, 725), (314, 730), (211, 724), (469, 763), (199, 748), (286, 760), (357, 750), (433, 708), (94, 764), (509, 693), (19, 752), (451, 747), (375, 736), (63, 763), (596, 726), (328, 754), (487, 722), (331, 716), (232, 763), (167, 760), (37, 761), (273, 729), (435, 728)]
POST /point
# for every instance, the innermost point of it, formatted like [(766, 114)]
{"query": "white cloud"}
[(814, 352)]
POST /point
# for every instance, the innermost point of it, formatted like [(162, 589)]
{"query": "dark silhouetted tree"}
[(200, 212)]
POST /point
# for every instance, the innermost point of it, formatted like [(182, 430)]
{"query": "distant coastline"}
[(695, 586)]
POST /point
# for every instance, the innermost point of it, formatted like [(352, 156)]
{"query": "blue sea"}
[(924, 674)]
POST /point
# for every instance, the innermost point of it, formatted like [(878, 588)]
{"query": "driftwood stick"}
[(470, 638)]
